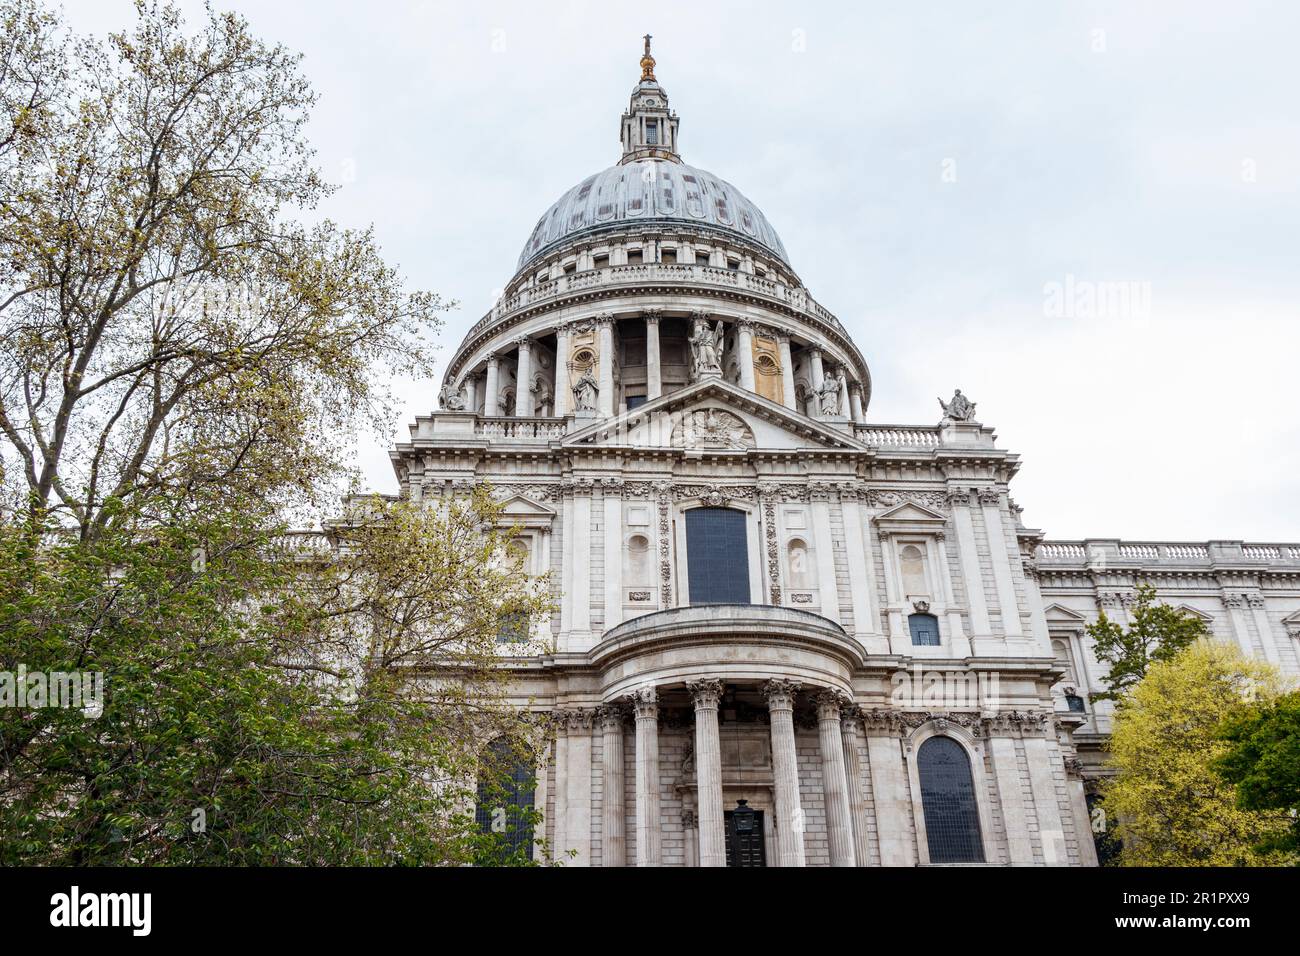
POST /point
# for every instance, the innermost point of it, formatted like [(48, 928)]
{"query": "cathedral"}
[(786, 635)]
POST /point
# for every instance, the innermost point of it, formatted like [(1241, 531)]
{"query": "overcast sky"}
[(939, 172)]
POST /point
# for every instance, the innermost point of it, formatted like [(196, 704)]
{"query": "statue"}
[(829, 394), (585, 391), (541, 392), (959, 409), (452, 399), (706, 349)]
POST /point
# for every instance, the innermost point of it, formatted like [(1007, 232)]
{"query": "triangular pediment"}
[(910, 511), (714, 416), (1196, 612), (518, 506), (1059, 614)]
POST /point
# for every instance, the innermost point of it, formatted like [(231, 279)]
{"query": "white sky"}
[(1163, 150)]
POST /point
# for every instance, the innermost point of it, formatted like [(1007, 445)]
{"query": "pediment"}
[(1196, 612), (1058, 614), (525, 512), (714, 416), (910, 518)]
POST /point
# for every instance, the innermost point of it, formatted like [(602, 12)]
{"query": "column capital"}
[(524, 342), (814, 351), (491, 358), (780, 694), (604, 318), (652, 316), (611, 716), (705, 693), (645, 703), (855, 386), (830, 704)]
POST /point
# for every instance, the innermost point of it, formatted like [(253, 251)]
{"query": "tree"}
[(167, 330), (262, 704), (1158, 633), (1171, 808), (1263, 760), (181, 365)]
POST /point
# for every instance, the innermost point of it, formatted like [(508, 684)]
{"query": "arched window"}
[(925, 630), (717, 556), (952, 821), (504, 811)]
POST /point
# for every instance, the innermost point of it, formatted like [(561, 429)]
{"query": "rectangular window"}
[(599, 262), (634, 258), (717, 556), (652, 132), (635, 401), (668, 256)]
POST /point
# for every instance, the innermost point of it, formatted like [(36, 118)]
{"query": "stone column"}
[(523, 379), (787, 372), (646, 707), (577, 783), (855, 403), (745, 353), (708, 772), (839, 824), (785, 771), (653, 370), (492, 400), (471, 393), (849, 721), (613, 837), (605, 333), (563, 390), (817, 374)]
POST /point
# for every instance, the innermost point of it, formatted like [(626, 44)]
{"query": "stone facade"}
[(656, 353)]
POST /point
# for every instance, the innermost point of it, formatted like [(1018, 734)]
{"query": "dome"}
[(651, 192)]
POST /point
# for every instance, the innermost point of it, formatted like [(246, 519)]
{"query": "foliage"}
[(1171, 808), (182, 364), (166, 329), (1158, 633), (1263, 760), (289, 705)]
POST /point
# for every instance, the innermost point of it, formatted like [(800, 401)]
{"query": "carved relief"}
[(712, 428)]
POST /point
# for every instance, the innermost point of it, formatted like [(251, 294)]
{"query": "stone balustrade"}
[(1093, 552), (681, 277)]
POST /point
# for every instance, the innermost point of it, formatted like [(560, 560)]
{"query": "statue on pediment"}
[(706, 348), (959, 409), (828, 396), (585, 391), (452, 399)]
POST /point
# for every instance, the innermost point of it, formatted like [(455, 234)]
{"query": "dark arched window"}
[(952, 820), (717, 556), (504, 811), (925, 629)]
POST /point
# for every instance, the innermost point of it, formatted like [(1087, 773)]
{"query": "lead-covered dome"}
[(650, 192)]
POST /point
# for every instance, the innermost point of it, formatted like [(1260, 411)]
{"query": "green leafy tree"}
[(1263, 761), (182, 364), (1158, 633), (1170, 807)]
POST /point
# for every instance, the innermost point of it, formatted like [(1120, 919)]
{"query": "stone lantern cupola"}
[(648, 128)]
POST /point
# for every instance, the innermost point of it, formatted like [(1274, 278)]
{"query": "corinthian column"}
[(605, 398), (563, 393), (745, 353), (708, 772), (613, 837), (839, 825), (785, 771), (653, 372), (523, 379), (646, 707), (492, 394), (788, 397), (849, 723)]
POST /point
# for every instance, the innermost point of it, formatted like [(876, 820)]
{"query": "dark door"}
[(745, 837)]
